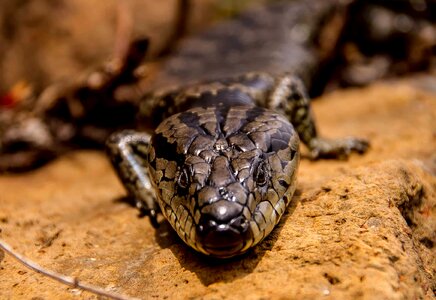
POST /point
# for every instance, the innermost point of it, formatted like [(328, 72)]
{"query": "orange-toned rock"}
[(362, 228)]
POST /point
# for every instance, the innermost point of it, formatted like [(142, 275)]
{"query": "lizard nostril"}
[(240, 224), (206, 226)]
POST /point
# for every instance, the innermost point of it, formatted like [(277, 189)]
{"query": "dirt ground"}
[(357, 229)]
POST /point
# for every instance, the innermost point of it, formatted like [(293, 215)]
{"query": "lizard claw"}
[(144, 211)]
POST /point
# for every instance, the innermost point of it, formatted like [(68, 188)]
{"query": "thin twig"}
[(70, 281)]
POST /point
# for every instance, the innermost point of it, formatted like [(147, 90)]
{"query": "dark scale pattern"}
[(222, 163), (243, 139)]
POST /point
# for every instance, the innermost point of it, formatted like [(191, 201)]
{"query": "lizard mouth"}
[(223, 240), (224, 252), (223, 243)]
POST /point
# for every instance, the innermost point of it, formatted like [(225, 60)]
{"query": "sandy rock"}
[(357, 229)]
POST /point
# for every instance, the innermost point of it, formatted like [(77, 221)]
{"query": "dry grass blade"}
[(70, 281)]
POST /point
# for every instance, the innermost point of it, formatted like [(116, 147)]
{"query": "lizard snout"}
[(222, 229)]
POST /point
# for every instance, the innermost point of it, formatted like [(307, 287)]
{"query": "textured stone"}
[(357, 229)]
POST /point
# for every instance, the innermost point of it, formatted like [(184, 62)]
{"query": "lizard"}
[(222, 162), (219, 156)]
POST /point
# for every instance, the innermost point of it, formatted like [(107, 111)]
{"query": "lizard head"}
[(224, 175)]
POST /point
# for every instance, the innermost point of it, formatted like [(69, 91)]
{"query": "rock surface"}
[(357, 229)]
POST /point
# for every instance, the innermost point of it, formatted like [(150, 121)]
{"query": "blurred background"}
[(73, 71)]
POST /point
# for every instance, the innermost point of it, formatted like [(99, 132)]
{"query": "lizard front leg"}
[(289, 97), (128, 151)]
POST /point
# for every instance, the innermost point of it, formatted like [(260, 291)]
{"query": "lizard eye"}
[(261, 174), (184, 178)]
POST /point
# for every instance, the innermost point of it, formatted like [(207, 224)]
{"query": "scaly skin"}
[(222, 162)]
